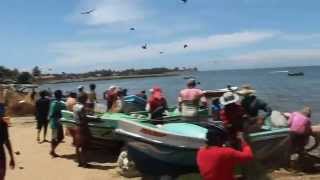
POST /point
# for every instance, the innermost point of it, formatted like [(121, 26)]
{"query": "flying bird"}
[(184, 1), (144, 46), (161, 52), (132, 29), (185, 46), (88, 12)]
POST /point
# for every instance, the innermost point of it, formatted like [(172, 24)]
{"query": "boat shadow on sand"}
[(100, 159)]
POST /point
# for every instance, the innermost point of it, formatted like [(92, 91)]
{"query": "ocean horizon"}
[(273, 85)]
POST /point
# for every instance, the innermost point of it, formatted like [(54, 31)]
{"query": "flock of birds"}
[(145, 46)]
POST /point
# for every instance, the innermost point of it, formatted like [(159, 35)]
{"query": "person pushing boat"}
[(189, 99), (157, 104), (83, 134), (232, 116), (216, 162), (252, 106), (111, 96), (92, 97), (300, 130)]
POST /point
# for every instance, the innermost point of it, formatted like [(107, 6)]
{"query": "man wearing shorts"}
[(56, 107), (42, 110)]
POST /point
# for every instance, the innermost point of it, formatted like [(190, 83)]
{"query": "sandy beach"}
[(33, 161)]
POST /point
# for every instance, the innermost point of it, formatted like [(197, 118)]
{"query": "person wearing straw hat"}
[(216, 161), (232, 116), (252, 106)]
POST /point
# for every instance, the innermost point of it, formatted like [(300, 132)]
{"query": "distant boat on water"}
[(296, 74), (188, 77)]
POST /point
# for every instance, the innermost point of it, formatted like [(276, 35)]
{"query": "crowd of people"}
[(240, 112)]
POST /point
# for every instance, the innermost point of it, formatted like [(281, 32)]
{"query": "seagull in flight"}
[(88, 12), (184, 1), (132, 29), (144, 46), (185, 46), (161, 52)]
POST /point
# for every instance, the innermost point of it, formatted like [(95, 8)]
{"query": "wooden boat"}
[(170, 149), (296, 74)]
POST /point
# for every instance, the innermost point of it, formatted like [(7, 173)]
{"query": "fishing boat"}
[(170, 149), (188, 77), (102, 125), (296, 74)]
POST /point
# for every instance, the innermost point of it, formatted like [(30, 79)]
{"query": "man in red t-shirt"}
[(217, 162)]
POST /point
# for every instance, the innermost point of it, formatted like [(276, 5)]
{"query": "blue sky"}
[(224, 34)]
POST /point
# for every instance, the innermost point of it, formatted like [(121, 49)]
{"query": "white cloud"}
[(109, 12), (300, 37), (82, 54)]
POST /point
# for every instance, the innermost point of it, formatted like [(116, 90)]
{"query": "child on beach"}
[(4, 141), (54, 115)]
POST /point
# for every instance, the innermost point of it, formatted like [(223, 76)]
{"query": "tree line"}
[(15, 76)]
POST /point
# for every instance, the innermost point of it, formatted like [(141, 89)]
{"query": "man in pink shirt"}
[(300, 127), (189, 99)]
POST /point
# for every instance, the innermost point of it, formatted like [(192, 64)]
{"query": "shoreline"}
[(60, 81), (104, 165)]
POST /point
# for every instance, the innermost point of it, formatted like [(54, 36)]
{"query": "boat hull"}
[(157, 152), (161, 160)]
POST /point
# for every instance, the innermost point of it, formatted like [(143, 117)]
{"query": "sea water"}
[(280, 91)]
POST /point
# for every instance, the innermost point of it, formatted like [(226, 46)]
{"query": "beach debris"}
[(145, 46), (88, 12), (132, 29), (21, 167), (184, 1), (185, 46), (17, 153)]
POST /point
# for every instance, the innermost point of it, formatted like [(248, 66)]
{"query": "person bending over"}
[(252, 106), (300, 129)]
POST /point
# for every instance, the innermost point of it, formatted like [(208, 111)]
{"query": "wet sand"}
[(35, 163)]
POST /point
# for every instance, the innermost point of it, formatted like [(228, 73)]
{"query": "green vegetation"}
[(24, 78), (14, 76)]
